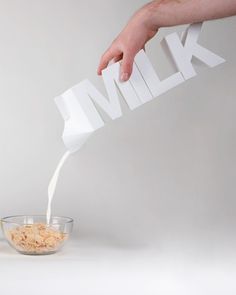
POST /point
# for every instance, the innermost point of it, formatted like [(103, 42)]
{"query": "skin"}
[(146, 22)]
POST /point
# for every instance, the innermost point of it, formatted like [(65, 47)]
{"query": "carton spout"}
[(77, 128), (73, 142)]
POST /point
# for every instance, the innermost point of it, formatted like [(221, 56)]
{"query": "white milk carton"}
[(78, 105), (77, 127)]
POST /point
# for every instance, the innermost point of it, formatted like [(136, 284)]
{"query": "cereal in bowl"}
[(37, 238)]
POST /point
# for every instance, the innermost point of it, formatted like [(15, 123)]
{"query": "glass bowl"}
[(31, 235)]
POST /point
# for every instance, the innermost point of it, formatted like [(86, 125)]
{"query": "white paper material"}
[(139, 85), (77, 126), (79, 106), (151, 78), (111, 81), (86, 94), (182, 53)]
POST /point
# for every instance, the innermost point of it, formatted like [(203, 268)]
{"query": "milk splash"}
[(53, 184)]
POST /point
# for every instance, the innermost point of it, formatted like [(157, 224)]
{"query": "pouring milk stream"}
[(53, 184), (74, 136)]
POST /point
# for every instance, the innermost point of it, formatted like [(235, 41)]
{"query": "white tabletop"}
[(91, 267)]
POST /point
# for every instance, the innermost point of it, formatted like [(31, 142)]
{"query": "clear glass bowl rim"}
[(7, 219)]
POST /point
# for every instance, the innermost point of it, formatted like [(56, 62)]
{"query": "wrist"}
[(152, 13)]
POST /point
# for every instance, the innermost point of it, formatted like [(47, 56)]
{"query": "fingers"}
[(115, 54), (126, 66), (117, 58), (106, 58)]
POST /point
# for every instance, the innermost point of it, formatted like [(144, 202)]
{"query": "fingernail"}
[(124, 77)]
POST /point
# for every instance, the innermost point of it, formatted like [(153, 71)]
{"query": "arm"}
[(157, 14)]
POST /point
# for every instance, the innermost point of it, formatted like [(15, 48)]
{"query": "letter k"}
[(183, 52)]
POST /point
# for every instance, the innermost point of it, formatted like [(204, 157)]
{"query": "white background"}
[(152, 193)]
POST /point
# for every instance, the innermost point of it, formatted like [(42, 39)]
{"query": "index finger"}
[(106, 58)]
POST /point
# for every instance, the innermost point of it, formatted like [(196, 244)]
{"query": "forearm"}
[(164, 13)]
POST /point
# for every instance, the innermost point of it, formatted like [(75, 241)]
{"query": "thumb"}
[(126, 66)]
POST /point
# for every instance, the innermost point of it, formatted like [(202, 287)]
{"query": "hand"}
[(129, 42), (157, 14)]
